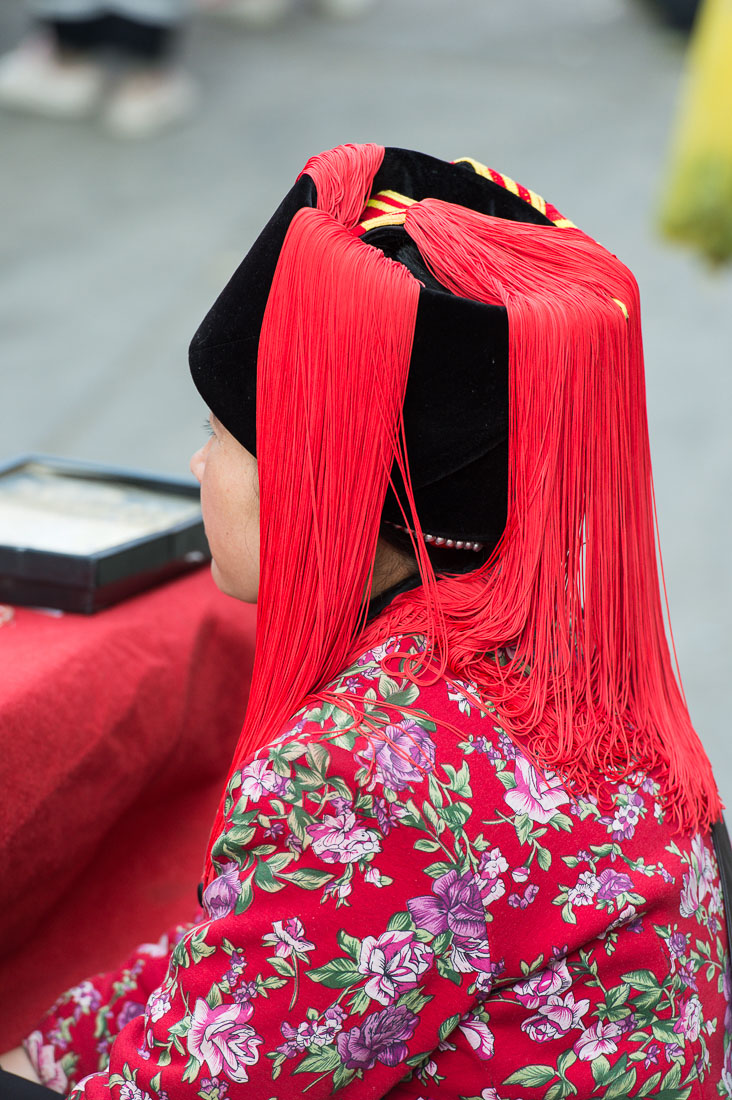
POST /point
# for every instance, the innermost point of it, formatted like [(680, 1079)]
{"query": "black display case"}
[(78, 537)]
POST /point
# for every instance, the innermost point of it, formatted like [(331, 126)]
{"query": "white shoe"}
[(147, 102), (257, 14), (34, 78)]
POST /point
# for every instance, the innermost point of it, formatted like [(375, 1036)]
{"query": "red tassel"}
[(332, 370), (571, 592), (573, 586)]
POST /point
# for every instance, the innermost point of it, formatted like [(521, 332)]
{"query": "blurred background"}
[(113, 248)]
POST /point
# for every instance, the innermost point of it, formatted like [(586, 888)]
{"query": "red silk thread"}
[(573, 587)]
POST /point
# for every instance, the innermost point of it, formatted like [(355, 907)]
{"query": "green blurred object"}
[(697, 203)]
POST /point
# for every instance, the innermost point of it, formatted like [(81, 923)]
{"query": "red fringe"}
[(572, 589)]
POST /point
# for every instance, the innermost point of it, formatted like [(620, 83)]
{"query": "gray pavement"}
[(112, 252)]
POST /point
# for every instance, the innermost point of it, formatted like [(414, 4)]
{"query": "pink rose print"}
[(551, 981), (690, 1019), (555, 1018), (393, 963), (131, 1091), (596, 1040), (288, 938), (48, 1069), (258, 778), (338, 889), (158, 1004), (693, 892), (341, 838), (479, 1035), (703, 860), (538, 796), (222, 1039)]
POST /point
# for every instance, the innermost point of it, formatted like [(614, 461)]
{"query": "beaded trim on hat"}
[(437, 540)]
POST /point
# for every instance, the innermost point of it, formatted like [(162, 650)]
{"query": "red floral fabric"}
[(404, 906)]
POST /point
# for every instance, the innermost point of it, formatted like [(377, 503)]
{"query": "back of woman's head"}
[(430, 350)]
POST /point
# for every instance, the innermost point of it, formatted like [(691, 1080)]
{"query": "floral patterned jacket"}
[(413, 910)]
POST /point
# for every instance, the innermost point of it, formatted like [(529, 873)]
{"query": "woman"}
[(463, 850)]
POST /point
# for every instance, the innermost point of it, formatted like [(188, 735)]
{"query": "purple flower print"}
[(246, 992), (223, 1040), (386, 818), (673, 1052), (613, 883), (677, 944), (510, 750), (221, 895), (665, 875), (342, 838), (651, 1058), (455, 907), (687, 976), (393, 963), (130, 1011), (381, 1038), (626, 818), (213, 1089), (400, 754), (85, 998), (523, 901)]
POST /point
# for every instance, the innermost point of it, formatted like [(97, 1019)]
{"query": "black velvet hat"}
[(456, 404)]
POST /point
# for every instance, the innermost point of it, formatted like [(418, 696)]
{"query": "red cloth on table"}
[(112, 727)]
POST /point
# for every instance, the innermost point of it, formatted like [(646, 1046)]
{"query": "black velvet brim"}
[(456, 404)]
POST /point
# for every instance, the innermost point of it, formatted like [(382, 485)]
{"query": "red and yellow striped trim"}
[(390, 207), (383, 208), (525, 193)]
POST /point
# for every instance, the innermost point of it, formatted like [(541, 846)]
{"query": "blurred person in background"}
[(265, 13), (60, 70)]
